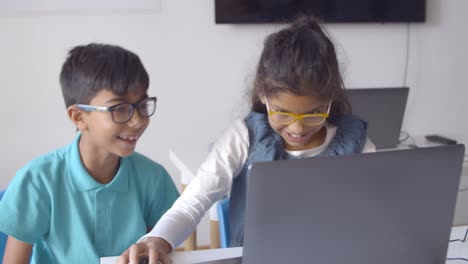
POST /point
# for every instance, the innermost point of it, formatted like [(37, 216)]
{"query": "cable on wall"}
[(405, 72)]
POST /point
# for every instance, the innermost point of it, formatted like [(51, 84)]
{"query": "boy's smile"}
[(126, 135), (103, 141), (129, 139)]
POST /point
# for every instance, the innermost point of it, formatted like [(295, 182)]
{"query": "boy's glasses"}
[(122, 113), (286, 118)]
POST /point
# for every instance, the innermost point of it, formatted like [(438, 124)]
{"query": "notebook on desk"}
[(383, 109), (386, 207)]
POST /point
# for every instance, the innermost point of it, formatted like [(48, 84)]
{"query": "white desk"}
[(455, 250), (189, 257)]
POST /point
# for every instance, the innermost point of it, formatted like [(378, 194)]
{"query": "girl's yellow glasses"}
[(286, 118)]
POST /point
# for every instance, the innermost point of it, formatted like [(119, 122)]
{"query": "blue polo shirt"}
[(56, 205)]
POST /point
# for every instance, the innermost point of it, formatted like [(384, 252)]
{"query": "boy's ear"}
[(262, 99), (76, 115)]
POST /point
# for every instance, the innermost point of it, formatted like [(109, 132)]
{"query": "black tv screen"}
[(334, 11)]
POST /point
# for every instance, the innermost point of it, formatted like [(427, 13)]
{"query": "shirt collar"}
[(81, 179)]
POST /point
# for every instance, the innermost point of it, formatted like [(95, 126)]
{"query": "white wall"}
[(200, 72)]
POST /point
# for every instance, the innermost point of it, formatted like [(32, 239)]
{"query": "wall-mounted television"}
[(332, 11)]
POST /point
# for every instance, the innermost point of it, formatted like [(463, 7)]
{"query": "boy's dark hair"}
[(91, 68), (300, 59)]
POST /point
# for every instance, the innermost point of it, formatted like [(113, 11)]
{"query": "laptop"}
[(386, 207), (383, 109)]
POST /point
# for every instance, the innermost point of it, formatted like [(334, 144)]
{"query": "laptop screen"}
[(385, 207), (383, 109)]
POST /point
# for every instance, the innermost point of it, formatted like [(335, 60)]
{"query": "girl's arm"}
[(212, 183), (17, 251), (369, 146)]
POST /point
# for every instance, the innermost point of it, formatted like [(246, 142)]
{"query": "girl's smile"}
[(297, 135)]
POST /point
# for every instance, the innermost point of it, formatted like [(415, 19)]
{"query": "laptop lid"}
[(235, 260), (383, 109), (386, 207)]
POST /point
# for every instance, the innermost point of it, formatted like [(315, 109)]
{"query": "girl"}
[(299, 110)]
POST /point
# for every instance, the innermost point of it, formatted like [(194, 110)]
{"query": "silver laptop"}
[(383, 109), (386, 207)]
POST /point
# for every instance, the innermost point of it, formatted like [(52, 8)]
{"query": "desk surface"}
[(189, 257), (455, 250)]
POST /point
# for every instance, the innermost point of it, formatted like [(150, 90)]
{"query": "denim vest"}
[(267, 145)]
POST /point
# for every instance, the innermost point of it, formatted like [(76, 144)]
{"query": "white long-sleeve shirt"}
[(214, 179)]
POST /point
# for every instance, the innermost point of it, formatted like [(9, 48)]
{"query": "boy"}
[(66, 206)]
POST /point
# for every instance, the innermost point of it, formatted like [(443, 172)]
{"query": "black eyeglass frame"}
[(111, 109)]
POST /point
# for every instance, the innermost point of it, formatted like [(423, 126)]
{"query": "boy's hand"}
[(156, 248)]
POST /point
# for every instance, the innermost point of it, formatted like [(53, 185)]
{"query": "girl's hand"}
[(156, 248)]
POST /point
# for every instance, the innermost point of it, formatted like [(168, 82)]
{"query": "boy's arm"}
[(17, 252)]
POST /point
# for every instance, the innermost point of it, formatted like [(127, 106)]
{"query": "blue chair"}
[(3, 237), (223, 222)]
